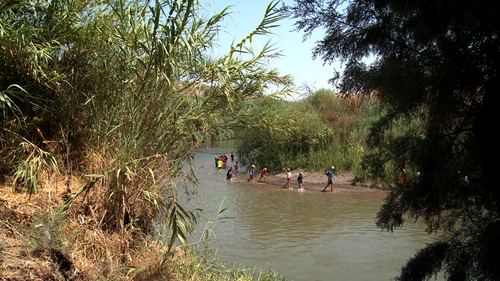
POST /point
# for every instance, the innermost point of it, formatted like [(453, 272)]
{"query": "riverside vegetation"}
[(318, 131), (102, 103), (436, 62)]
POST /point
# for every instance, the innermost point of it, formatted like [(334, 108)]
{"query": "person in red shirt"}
[(263, 174)]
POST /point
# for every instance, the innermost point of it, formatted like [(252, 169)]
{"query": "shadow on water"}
[(305, 236)]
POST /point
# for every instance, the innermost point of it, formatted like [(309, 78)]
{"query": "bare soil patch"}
[(316, 181)]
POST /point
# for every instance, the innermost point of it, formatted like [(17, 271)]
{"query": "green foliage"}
[(279, 134), (209, 268), (475, 259), (28, 170), (435, 72), (123, 91), (314, 133), (426, 263)]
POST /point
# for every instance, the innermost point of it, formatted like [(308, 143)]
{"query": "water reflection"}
[(303, 235)]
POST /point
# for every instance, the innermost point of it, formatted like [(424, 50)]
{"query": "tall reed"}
[(122, 92)]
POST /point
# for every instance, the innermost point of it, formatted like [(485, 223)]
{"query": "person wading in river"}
[(250, 173), (219, 164), (229, 174), (288, 178), (300, 180), (263, 174), (330, 179), (236, 169)]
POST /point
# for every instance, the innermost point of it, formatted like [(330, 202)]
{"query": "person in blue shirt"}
[(330, 179), (300, 180), (250, 173)]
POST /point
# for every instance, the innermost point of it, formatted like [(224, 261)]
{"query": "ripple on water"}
[(306, 236)]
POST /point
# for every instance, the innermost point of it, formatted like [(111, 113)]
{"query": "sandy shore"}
[(316, 181)]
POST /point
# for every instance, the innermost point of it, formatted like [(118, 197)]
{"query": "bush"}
[(285, 134), (321, 130)]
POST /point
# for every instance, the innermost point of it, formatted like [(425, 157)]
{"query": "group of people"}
[(233, 172), (300, 178), (221, 163)]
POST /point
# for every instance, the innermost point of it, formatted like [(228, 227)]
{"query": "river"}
[(302, 235)]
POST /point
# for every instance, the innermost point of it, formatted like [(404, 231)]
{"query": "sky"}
[(297, 53)]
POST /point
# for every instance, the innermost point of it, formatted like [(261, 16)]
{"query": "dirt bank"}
[(316, 181)]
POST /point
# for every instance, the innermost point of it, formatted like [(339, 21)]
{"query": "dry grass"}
[(17, 213), (81, 249)]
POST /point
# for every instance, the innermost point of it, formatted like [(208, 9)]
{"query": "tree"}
[(438, 62), (109, 87)]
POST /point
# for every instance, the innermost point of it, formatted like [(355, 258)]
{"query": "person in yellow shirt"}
[(219, 164)]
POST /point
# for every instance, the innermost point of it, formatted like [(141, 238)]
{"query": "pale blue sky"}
[(297, 55)]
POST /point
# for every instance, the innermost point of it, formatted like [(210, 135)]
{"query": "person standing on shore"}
[(300, 179), (400, 177), (330, 179), (250, 173)]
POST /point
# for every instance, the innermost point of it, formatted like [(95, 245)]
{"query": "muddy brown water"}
[(302, 235)]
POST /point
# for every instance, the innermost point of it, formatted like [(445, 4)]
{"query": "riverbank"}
[(316, 181), (36, 244)]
